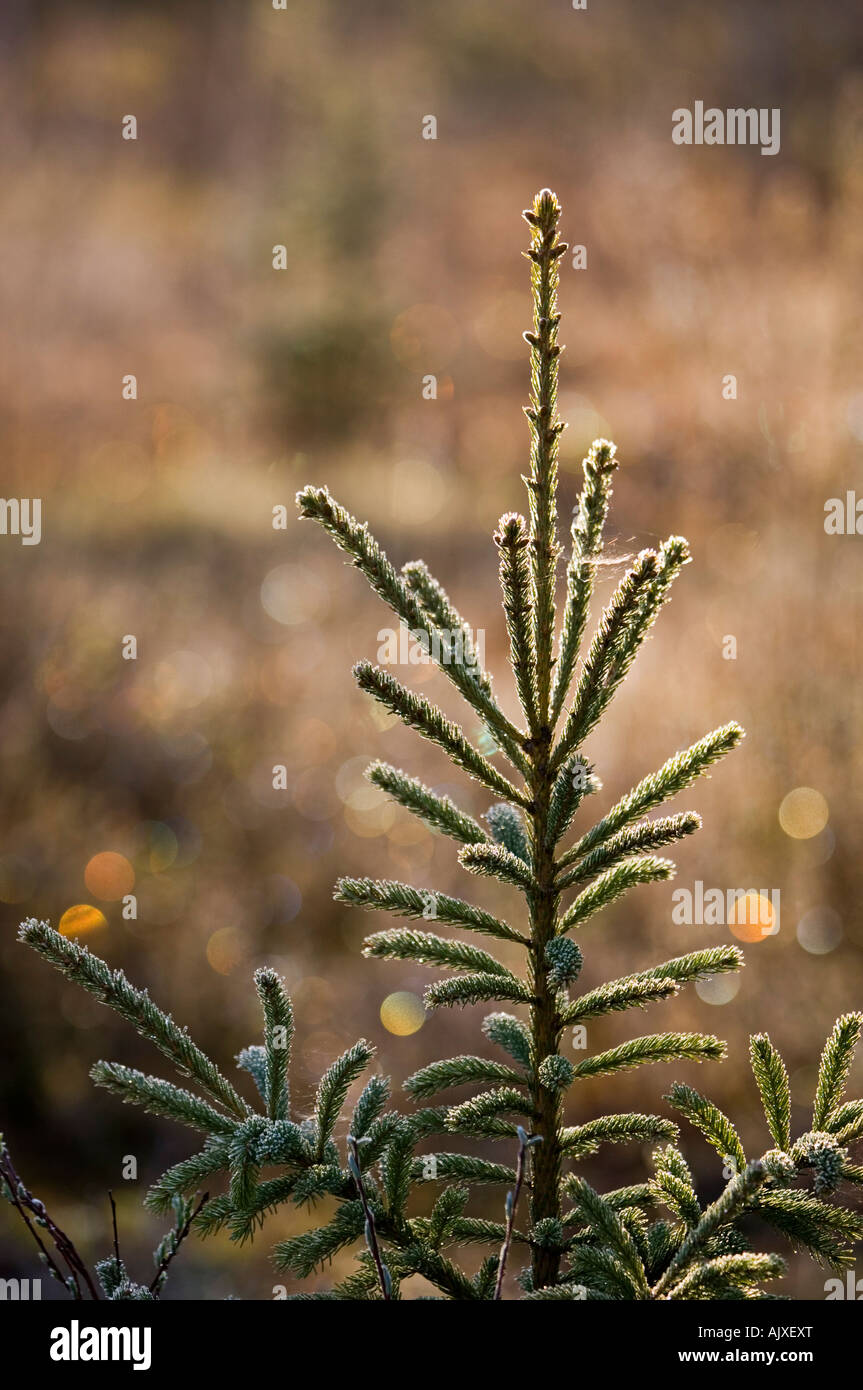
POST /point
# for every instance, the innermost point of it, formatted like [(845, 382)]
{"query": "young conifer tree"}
[(581, 1244), (562, 699)]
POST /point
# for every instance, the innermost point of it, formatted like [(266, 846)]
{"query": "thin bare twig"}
[(159, 1277), (114, 1225), (13, 1197), (24, 1203), (524, 1143), (371, 1231)]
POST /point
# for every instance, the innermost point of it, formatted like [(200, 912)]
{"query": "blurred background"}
[(153, 777)]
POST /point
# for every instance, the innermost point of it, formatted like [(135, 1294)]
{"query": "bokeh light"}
[(500, 324), (419, 492), (314, 795), (183, 680), (369, 824), (292, 594), (226, 949), (584, 424), (162, 899), (718, 989), (752, 917), (81, 918), (819, 930), (403, 1013), (109, 876), (354, 788), (803, 813), (284, 900), (809, 854), (159, 843)]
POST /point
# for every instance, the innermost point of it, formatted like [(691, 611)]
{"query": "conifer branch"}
[(496, 862), (448, 620), (601, 1276), (673, 1185), (186, 1177), (659, 982), (278, 1035), (737, 1194), (160, 1098), (368, 1111), (587, 528), (673, 777), (418, 713), (355, 539), (481, 1113), (302, 1254), (725, 1274), (334, 1086), (445, 1213), (462, 1167), (508, 1032), (636, 839), (444, 615), (470, 1229), (574, 781), (512, 540), (476, 989), (769, 1071), (438, 951), (405, 901), (581, 1141), (655, 1047), (835, 1065), (828, 1232), (112, 988), (696, 965), (716, 1127), (631, 992), (608, 640), (436, 811), (414, 1258), (612, 885), (458, 1071), (544, 255), (611, 1231), (221, 1213), (847, 1122), (673, 555), (639, 1195)]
